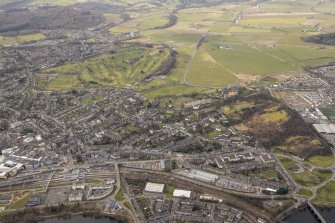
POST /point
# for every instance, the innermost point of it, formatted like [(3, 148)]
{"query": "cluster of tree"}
[(274, 134), (282, 191), (172, 21), (49, 18), (325, 39), (167, 65)]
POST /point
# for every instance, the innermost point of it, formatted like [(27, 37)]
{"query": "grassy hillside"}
[(21, 39), (125, 66)]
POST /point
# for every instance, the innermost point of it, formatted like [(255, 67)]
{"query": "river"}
[(306, 216), (81, 219)]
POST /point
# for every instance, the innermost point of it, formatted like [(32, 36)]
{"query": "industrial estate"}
[(167, 110)]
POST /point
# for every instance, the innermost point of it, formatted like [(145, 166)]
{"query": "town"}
[(80, 133)]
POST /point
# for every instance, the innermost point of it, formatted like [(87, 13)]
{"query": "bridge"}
[(317, 213)]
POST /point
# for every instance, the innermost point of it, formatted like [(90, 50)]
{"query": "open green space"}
[(306, 178), (153, 21), (323, 174), (244, 58), (288, 6), (21, 39), (325, 6), (125, 66), (91, 99), (268, 174), (54, 2), (128, 205), (305, 192), (322, 161), (266, 41), (39, 3), (287, 163), (326, 195), (19, 201), (309, 178), (329, 111), (273, 21), (169, 191), (120, 196), (206, 71)]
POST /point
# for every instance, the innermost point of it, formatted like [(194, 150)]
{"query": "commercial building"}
[(325, 128), (76, 196), (154, 188), (200, 175), (78, 186), (10, 168), (182, 193)]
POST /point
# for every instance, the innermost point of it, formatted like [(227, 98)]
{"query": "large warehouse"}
[(325, 128), (182, 193), (200, 175), (154, 188)]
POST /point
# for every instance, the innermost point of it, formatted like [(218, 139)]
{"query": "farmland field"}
[(265, 41), (21, 39)]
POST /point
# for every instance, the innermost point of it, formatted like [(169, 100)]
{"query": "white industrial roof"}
[(154, 188), (325, 128), (203, 175), (182, 193)]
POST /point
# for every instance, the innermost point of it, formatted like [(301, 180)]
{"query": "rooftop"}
[(182, 193), (154, 187)]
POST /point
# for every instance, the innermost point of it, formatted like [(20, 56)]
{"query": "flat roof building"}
[(325, 128), (200, 175), (154, 188), (182, 193)]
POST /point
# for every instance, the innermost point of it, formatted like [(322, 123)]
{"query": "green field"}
[(329, 111), (285, 6), (310, 179), (322, 161), (153, 21), (305, 192), (20, 201), (91, 99), (206, 71), (326, 194), (265, 174), (169, 191), (273, 21), (21, 39), (38, 3), (243, 58), (287, 163), (125, 66), (306, 178), (326, 6), (266, 41), (120, 196)]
